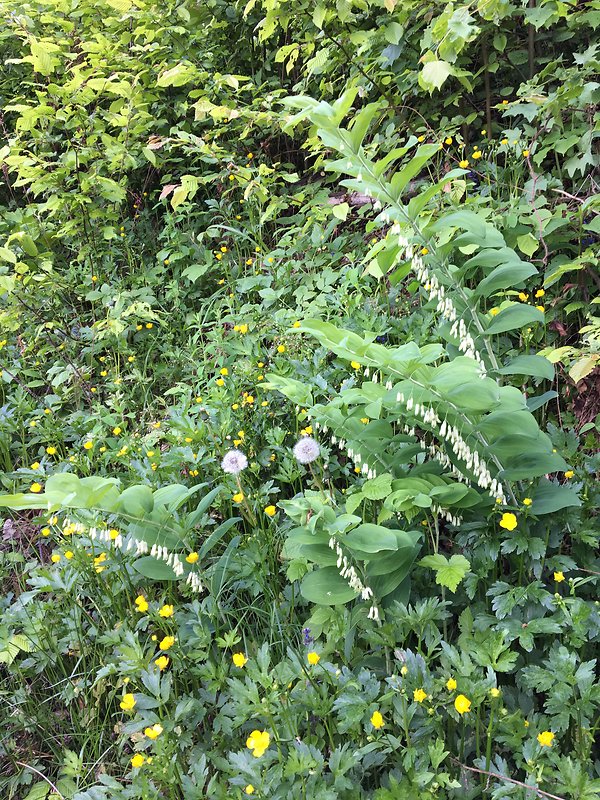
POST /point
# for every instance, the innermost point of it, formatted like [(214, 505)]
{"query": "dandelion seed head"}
[(234, 462), (306, 450)]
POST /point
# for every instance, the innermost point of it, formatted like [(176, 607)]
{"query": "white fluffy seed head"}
[(306, 450), (234, 462)]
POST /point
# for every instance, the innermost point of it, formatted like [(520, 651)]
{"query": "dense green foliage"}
[(298, 417)]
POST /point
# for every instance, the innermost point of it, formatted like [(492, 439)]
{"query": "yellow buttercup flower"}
[(258, 741), (36, 488), (494, 692), (55, 558), (540, 293), (154, 732), (559, 577), (224, 371), (220, 382), (162, 662), (249, 789), (297, 324), (239, 659), (128, 702), (88, 445), (476, 154), (419, 695), (451, 684), (527, 501), (494, 311), (137, 761), (463, 164), (35, 466), (281, 348), (355, 365), (270, 511), (545, 738), (313, 658), (191, 558), (166, 611), (237, 498), (141, 603), (569, 473), (51, 450), (525, 153), (508, 521), (448, 140), (424, 251), (462, 704), (167, 642), (69, 555), (117, 430), (113, 533), (377, 720)]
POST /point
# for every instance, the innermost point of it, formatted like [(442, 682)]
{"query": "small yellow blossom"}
[(377, 720), (46, 531), (51, 450), (220, 382), (141, 603), (36, 488), (476, 154), (167, 642), (281, 348), (462, 704), (69, 555), (494, 692), (419, 695), (237, 498), (36, 465), (191, 558), (270, 511), (504, 141), (569, 473), (258, 741), (541, 308), (55, 558), (224, 371), (297, 324), (364, 420), (527, 501), (355, 365), (88, 445), (540, 293), (128, 702), (162, 662), (545, 738), (116, 430), (559, 577), (137, 761), (463, 164), (448, 140), (494, 311), (525, 153), (451, 684), (154, 732), (313, 658), (166, 611), (239, 659), (424, 251), (508, 521), (249, 789)]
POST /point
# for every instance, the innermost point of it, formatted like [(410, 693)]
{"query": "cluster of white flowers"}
[(427, 413), (348, 573), (453, 519), (449, 433), (141, 547), (466, 344)]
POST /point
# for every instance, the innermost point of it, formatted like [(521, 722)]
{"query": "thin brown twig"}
[(540, 792)]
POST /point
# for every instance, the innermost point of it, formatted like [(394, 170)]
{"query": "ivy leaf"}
[(447, 573)]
